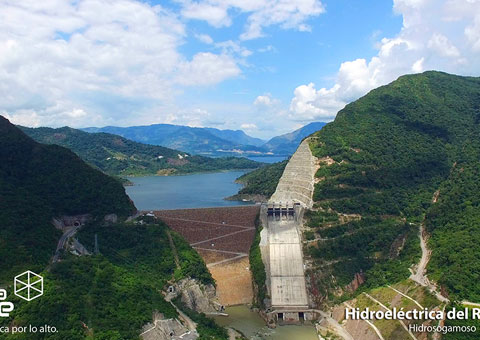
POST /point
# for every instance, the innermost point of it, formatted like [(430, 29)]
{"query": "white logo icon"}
[(5, 307), (28, 285)]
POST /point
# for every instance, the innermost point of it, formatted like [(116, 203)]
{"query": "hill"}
[(38, 182), (120, 156), (260, 184), (287, 144), (201, 141), (110, 295), (405, 154)]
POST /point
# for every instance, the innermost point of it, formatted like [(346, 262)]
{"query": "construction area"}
[(281, 240), (222, 237)]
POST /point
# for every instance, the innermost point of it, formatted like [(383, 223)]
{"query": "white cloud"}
[(472, 33), (205, 38), (310, 104), (288, 14), (265, 100), (248, 126), (232, 47), (417, 66), (441, 45), (91, 62), (207, 69), (439, 35)]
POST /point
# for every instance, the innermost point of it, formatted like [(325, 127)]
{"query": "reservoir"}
[(201, 190), (253, 327), (268, 159)]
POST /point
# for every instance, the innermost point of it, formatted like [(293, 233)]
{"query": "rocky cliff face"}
[(195, 295)]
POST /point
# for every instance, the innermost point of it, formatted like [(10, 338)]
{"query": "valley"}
[(373, 211)]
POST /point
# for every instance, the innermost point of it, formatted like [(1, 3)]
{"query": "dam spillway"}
[(281, 238)]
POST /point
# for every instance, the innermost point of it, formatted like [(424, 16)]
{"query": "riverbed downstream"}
[(253, 326)]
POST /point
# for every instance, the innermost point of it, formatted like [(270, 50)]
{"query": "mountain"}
[(403, 156), (406, 154), (236, 137), (202, 141), (120, 156), (287, 144), (109, 295), (38, 182)]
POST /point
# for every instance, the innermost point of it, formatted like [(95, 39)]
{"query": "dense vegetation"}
[(38, 182), (145, 250), (92, 298), (107, 296), (261, 182), (392, 150), (206, 327), (119, 156), (257, 267), (113, 295)]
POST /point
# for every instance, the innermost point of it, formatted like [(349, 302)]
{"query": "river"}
[(203, 190), (253, 327)]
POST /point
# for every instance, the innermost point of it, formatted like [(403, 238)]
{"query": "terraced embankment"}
[(222, 237)]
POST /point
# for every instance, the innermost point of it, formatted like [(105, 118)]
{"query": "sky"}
[(264, 66)]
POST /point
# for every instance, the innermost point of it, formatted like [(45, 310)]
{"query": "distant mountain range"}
[(287, 144), (210, 141), (200, 141), (116, 155)]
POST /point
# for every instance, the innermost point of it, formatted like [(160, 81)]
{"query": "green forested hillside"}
[(119, 156), (105, 296), (393, 149), (38, 182), (114, 294), (260, 183)]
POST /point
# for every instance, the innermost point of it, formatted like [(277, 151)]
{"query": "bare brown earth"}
[(234, 282), (222, 237)]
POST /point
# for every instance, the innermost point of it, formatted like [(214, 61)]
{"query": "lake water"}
[(253, 327), (202, 190), (267, 159)]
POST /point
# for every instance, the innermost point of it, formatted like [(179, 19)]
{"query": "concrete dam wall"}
[(281, 239), (297, 181)]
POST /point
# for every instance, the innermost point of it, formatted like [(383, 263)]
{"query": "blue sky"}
[(265, 66), (346, 31)]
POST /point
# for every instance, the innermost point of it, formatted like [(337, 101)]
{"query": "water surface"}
[(253, 327), (268, 159), (202, 190)]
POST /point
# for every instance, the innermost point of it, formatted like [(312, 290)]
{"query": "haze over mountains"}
[(211, 141)]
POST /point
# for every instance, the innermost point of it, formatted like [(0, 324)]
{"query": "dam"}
[(281, 244)]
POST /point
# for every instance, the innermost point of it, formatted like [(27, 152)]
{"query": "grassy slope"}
[(119, 156), (393, 149)]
